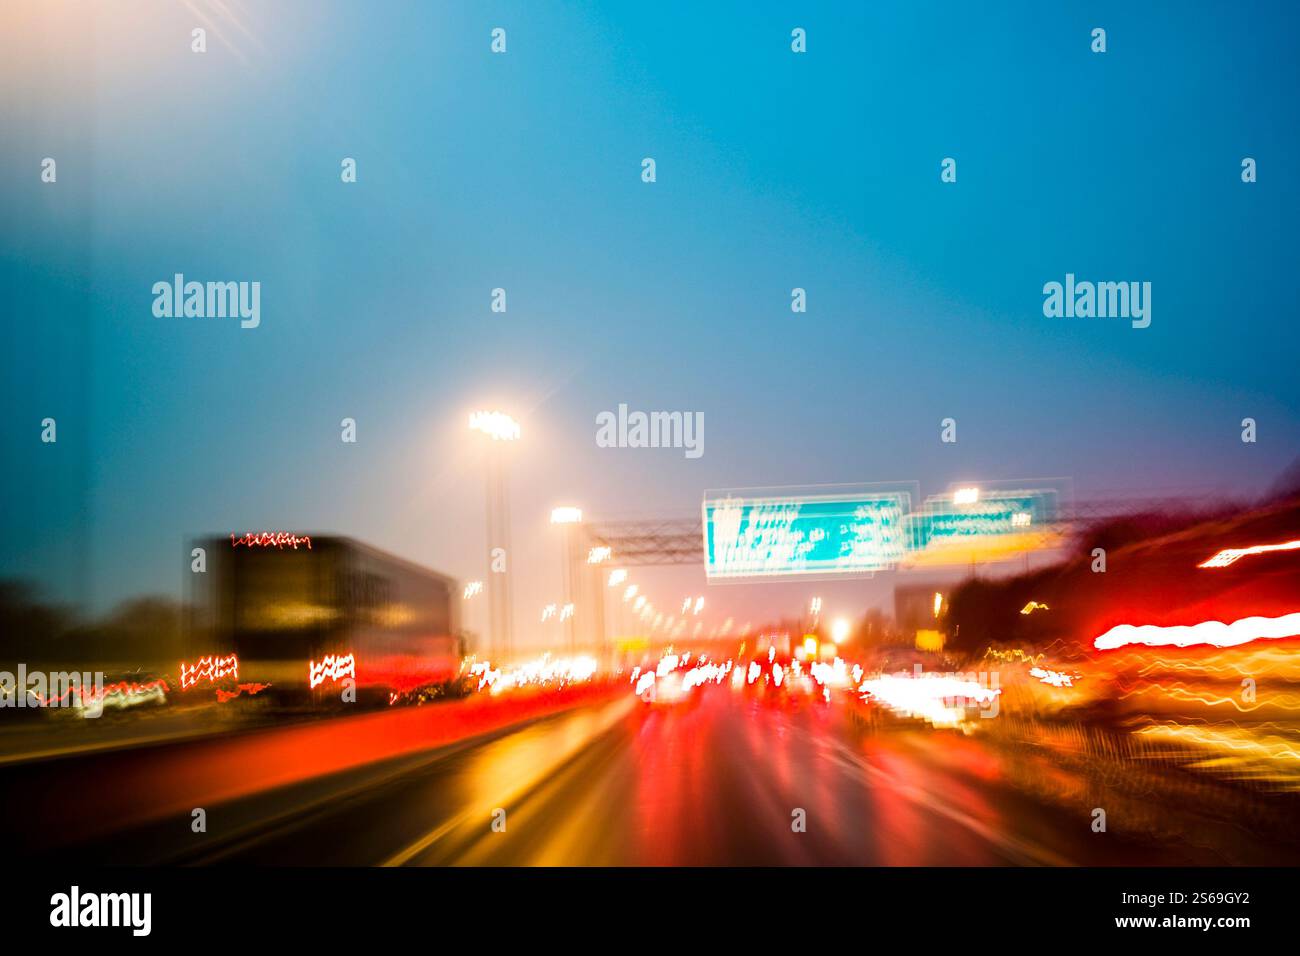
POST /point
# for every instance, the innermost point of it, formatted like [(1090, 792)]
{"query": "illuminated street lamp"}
[(617, 577), (473, 589), (496, 425), (566, 515)]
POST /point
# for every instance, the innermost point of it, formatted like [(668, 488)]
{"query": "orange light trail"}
[(1213, 633), (1231, 555), (1015, 655), (1286, 702)]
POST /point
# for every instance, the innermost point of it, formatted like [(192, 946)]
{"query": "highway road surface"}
[(719, 778)]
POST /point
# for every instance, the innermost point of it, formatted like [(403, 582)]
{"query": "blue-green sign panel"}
[(994, 513), (778, 536), (768, 536)]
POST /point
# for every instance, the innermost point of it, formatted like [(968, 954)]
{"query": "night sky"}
[(775, 170)]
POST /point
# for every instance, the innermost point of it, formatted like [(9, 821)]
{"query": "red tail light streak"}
[(122, 694), (271, 539), (1230, 556), (333, 667), (1211, 633), (209, 670), (250, 689)]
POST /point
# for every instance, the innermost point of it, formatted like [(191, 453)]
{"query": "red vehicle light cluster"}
[(271, 539), (209, 670), (333, 667)]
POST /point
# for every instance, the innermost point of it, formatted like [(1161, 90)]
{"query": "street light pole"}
[(569, 518), (501, 428), (596, 589)]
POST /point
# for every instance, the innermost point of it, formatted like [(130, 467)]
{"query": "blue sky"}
[(775, 170)]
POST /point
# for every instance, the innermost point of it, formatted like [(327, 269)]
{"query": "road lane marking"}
[(610, 715)]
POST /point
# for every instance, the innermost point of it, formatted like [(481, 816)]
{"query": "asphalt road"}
[(722, 778)]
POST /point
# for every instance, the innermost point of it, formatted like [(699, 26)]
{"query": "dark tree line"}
[(32, 630)]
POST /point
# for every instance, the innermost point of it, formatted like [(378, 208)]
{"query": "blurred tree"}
[(29, 629), (142, 629)]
